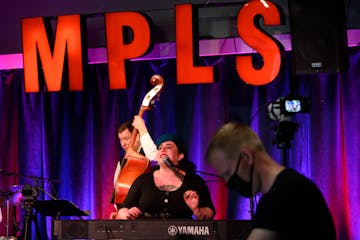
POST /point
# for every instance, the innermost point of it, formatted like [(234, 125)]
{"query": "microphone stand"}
[(2, 172), (219, 178), (173, 168), (47, 193)]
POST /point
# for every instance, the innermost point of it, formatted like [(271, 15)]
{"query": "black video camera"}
[(294, 105), (286, 106), (29, 193)]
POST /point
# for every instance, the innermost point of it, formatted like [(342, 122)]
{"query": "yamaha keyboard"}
[(151, 229)]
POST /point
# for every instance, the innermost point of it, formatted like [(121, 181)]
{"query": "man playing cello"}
[(144, 145)]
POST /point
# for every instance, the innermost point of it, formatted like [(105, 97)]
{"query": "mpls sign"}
[(68, 43)]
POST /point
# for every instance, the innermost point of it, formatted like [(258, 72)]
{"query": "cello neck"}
[(135, 132)]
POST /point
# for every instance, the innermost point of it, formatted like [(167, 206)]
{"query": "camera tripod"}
[(284, 133), (29, 218)]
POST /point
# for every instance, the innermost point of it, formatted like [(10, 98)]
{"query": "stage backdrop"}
[(65, 142)]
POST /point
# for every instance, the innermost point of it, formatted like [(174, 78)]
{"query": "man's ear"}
[(247, 155)]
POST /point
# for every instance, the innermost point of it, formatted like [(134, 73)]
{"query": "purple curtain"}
[(65, 142)]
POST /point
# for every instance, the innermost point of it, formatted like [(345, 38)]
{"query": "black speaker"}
[(318, 36)]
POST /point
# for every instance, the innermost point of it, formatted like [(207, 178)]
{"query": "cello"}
[(136, 164)]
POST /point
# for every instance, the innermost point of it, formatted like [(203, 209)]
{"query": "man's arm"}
[(148, 146), (146, 141)]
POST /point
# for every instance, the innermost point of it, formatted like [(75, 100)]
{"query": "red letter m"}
[(35, 40)]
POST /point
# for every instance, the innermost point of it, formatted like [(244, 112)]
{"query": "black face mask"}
[(237, 184)]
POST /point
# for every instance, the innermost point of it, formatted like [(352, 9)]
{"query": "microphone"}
[(168, 162)]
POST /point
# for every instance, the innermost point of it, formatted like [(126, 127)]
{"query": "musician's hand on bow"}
[(129, 213), (192, 199)]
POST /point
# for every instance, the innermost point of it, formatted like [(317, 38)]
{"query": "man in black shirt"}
[(291, 206)]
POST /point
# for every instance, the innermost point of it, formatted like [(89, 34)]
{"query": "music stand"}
[(57, 208)]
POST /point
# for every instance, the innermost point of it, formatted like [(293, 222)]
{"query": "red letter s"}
[(258, 40)]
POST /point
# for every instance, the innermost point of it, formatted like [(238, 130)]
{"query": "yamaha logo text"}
[(189, 230)]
